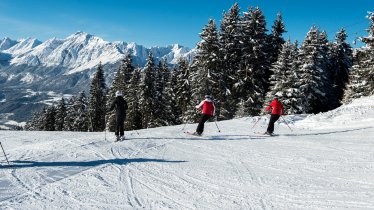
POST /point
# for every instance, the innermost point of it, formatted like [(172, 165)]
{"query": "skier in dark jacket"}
[(120, 105), (277, 111), (208, 111)]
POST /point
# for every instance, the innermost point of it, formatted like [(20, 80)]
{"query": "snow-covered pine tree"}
[(81, 119), (60, 115), (163, 113), (171, 94), (182, 86), (35, 124), (49, 118), (97, 100), (148, 94), (369, 40), (342, 61), (329, 100), (128, 69), (230, 50), (275, 40), (209, 76), (243, 83), (171, 116), (294, 98), (252, 81), (311, 73), (70, 115), (362, 73), (134, 114), (283, 80), (191, 115)]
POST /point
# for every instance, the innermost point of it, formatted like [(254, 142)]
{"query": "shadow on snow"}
[(202, 138), (29, 164)]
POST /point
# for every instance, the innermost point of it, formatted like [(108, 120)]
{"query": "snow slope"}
[(326, 162)]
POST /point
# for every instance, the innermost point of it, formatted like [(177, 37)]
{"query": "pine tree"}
[(128, 68), (182, 85), (209, 75), (60, 115), (148, 94), (230, 50), (329, 100), (171, 95), (190, 115), (71, 115), (311, 73), (49, 118), (342, 62), (162, 111), (362, 73), (253, 78), (275, 40), (81, 120), (97, 101), (35, 124), (284, 79), (369, 40), (134, 114), (294, 98)]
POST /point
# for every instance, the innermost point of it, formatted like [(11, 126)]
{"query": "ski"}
[(265, 134), (120, 139), (192, 133)]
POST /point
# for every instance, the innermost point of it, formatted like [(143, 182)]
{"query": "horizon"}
[(180, 22)]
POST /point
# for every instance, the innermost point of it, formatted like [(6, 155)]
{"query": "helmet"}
[(277, 95), (119, 93), (208, 96)]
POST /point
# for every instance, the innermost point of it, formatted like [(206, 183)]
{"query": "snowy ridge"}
[(23, 46), (82, 51), (311, 167), (7, 43), (358, 113)]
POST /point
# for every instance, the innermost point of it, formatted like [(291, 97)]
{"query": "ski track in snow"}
[(325, 162)]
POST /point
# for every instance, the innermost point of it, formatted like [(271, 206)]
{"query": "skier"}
[(208, 111), (277, 111), (121, 106)]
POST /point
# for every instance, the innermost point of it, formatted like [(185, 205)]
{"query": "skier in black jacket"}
[(121, 106)]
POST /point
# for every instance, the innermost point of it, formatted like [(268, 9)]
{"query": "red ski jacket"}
[(207, 106), (277, 107)]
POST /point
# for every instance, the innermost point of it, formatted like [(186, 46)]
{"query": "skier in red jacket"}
[(277, 111), (208, 111)]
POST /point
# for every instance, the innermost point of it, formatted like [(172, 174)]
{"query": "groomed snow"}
[(326, 162)]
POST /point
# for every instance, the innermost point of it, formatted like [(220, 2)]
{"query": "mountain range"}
[(64, 66)]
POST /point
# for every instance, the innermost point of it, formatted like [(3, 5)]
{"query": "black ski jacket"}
[(121, 106)]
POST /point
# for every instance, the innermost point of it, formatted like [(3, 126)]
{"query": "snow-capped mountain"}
[(7, 43), (82, 51), (65, 66)]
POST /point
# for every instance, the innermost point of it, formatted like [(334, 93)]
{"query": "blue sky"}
[(164, 22)]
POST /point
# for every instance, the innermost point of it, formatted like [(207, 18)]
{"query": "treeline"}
[(241, 65)]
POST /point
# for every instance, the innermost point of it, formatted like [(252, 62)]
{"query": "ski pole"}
[(217, 125), (4, 154), (255, 123), (286, 123), (105, 127), (184, 126)]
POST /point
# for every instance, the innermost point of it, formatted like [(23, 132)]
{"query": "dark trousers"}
[(119, 126), (273, 119), (203, 119)]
